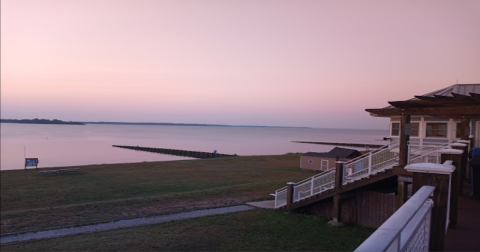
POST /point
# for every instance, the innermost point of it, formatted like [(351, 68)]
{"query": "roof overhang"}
[(453, 105), (471, 111)]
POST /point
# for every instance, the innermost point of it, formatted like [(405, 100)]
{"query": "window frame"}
[(397, 130), (436, 136), (417, 129)]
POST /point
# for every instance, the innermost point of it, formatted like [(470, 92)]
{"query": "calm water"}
[(70, 145)]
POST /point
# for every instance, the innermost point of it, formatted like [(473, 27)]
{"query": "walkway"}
[(466, 236), (60, 232), (267, 204)]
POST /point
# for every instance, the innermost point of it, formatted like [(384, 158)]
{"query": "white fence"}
[(314, 185), (381, 159), (425, 153), (408, 229), (281, 197), (371, 163)]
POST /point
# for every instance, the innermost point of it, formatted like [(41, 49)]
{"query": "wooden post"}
[(337, 206), (338, 175), (404, 138), (467, 154), (437, 175), (369, 163), (402, 190), (456, 157), (462, 168), (290, 195), (465, 136), (337, 209)]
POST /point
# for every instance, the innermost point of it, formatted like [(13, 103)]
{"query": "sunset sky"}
[(239, 62)]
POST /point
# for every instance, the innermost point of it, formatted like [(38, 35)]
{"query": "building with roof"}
[(367, 190), (319, 162), (437, 117)]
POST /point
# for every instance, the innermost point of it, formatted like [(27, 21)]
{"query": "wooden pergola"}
[(457, 106)]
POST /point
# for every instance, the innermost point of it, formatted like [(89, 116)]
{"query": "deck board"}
[(466, 236)]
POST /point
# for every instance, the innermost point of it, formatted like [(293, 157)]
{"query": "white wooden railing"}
[(408, 229), (372, 162), (425, 153), (381, 159), (281, 197), (314, 185)]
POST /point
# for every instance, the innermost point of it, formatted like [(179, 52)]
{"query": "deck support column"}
[(463, 169), (338, 175), (436, 175), (403, 157), (290, 195), (462, 166), (337, 206), (464, 132), (404, 138), (456, 156), (402, 190)]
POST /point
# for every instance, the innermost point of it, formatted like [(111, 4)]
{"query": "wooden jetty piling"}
[(183, 153)]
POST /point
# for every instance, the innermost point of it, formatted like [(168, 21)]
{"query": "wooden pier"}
[(374, 146), (183, 153)]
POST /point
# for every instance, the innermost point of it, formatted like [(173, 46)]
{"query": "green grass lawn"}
[(117, 191), (259, 230), (113, 191)]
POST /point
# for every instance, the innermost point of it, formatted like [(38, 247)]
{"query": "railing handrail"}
[(390, 231), (376, 152), (372, 162), (373, 151), (281, 189), (429, 145), (326, 175), (314, 176), (425, 150), (311, 181)]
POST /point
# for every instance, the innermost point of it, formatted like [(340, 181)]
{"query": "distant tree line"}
[(39, 121), (188, 124)]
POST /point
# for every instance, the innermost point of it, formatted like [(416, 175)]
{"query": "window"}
[(395, 129), (324, 165), (415, 127), (436, 130)]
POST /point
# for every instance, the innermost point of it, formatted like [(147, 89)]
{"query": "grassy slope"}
[(106, 192), (260, 230)]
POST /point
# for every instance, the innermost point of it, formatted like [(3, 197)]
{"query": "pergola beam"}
[(472, 111), (437, 101)]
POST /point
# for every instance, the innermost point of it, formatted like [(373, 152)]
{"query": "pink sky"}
[(283, 63)]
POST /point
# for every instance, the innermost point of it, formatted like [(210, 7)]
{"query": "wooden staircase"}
[(362, 171), (373, 178)]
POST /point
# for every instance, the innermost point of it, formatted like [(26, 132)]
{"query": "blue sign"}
[(31, 162)]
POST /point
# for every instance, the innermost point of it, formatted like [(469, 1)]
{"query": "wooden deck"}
[(466, 236)]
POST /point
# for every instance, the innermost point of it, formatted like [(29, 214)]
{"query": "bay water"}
[(73, 145)]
